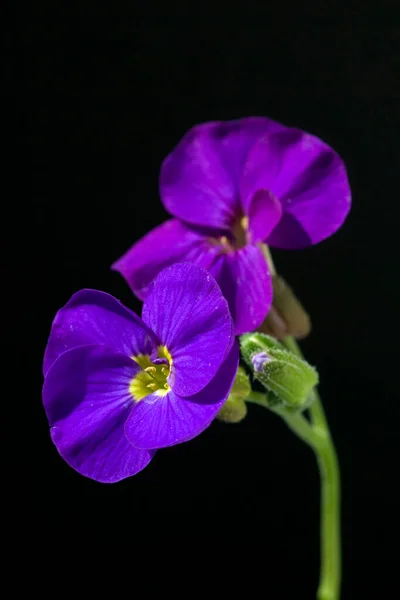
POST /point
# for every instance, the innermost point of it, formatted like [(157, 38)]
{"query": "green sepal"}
[(235, 408)]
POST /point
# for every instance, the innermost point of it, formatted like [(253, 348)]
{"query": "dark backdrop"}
[(106, 95)]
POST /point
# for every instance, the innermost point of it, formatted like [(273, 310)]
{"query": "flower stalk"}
[(316, 434), (322, 444)]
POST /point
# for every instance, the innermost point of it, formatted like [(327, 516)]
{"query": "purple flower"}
[(117, 387), (230, 186)]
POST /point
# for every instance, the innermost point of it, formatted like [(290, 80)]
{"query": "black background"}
[(106, 95)]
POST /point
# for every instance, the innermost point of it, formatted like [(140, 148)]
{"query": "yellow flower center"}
[(240, 236), (240, 232), (153, 377)]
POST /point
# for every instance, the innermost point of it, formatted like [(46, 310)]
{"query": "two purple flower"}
[(118, 387)]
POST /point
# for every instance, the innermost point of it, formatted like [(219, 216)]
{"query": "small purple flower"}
[(118, 387), (231, 186)]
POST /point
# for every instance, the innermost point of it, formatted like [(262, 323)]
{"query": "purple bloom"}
[(232, 186), (117, 387)]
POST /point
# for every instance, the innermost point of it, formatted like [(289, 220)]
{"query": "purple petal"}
[(264, 214), (165, 245), (157, 422), (199, 178), (87, 402), (187, 311), (246, 283), (92, 317), (288, 234), (308, 178), (262, 166), (320, 201)]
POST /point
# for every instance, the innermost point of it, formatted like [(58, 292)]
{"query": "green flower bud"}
[(288, 378), (235, 408), (287, 315)]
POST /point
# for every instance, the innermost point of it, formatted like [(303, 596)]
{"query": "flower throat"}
[(153, 378)]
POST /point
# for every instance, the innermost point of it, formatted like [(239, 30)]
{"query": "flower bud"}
[(235, 408), (288, 377), (286, 316)]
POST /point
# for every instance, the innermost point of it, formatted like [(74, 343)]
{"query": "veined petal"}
[(87, 401), (199, 178), (165, 245), (319, 200), (307, 177), (187, 311), (264, 214), (288, 234), (93, 317), (157, 422), (263, 165), (246, 283)]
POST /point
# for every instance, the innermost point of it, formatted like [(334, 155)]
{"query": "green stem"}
[(317, 435), (257, 398), (321, 442), (329, 587), (296, 422)]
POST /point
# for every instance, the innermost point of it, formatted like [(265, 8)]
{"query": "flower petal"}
[(87, 401), (264, 214), (199, 178), (165, 245), (246, 283), (319, 202), (92, 317), (288, 234), (308, 178), (157, 422), (187, 311)]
